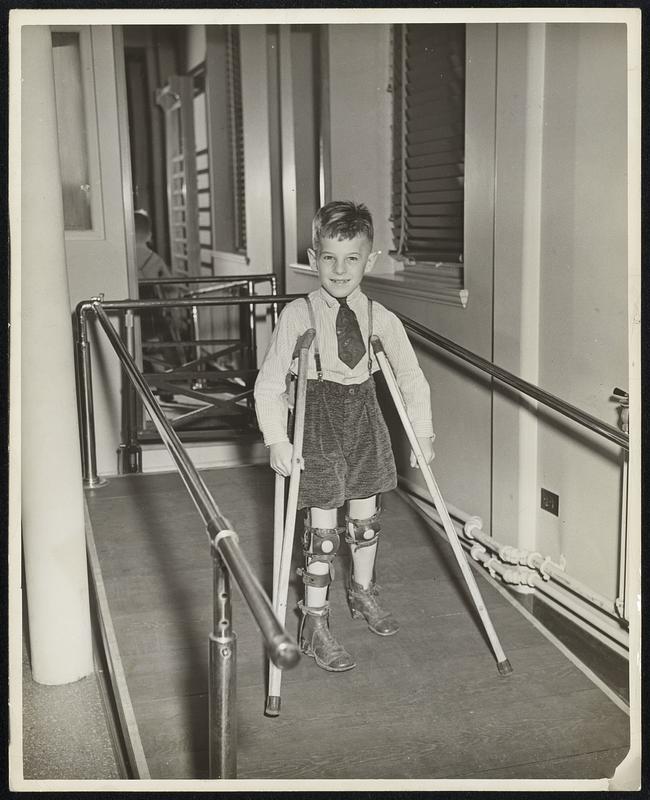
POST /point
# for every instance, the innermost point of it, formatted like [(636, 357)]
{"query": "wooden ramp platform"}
[(426, 703)]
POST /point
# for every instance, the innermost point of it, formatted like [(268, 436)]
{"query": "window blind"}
[(429, 142), (235, 116)]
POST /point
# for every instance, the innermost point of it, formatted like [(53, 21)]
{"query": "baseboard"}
[(106, 693), (604, 666), (206, 455), (133, 758), (572, 608)]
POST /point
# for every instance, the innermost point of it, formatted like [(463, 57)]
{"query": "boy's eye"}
[(354, 259)]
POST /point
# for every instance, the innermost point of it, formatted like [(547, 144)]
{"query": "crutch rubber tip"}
[(504, 667), (272, 706)]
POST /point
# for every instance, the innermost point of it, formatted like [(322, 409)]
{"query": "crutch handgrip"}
[(377, 346), (304, 342)]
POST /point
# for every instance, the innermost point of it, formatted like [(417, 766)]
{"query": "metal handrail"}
[(524, 387), (568, 410), (248, 281), (169, 302), (261, 278), (214, 287), (227, 556), (224, 543)]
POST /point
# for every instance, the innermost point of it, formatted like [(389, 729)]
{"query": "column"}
[(52, 498)]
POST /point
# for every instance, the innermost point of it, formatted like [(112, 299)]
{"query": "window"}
[(306, 85), (429, 151), (77, 133), (204, 145), (203, 188), (221, 202), (235, 117), (225, 142), (303, 112)]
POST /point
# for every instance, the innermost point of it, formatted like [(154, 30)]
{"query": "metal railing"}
[(227, 557), (186, 363), (593, 424), (211, 283), (281, 649), (524, 387), (205, 398)]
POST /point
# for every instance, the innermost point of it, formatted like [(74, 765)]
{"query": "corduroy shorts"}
[(346, 449)]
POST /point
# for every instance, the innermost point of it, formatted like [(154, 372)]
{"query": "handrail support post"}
[(274, 306), (129, 453), (252, 343), (91, 479), (222, 678)]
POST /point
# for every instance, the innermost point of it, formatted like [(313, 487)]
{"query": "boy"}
[(346, 452)]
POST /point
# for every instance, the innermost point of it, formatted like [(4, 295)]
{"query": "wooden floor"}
[(426, 703)]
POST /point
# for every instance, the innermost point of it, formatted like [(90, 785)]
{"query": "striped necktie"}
[(348, 333)]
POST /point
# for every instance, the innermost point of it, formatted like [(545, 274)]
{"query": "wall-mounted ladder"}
[(176, 100)]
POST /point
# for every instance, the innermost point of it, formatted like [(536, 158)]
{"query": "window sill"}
[(224, 258), (407, 283), (302, 269), (419, 287)]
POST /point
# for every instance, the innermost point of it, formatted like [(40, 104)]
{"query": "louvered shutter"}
[(429, 142), (235, 116)]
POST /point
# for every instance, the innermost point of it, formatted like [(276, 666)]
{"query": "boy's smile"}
[(342, 263)]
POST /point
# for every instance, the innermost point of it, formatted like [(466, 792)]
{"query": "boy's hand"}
[(426, 445), (280, 456)]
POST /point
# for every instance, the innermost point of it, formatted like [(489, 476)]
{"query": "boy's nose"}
[(339, 267)]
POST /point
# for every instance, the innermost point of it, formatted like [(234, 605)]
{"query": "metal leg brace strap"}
[(319, 544), (362, 532)]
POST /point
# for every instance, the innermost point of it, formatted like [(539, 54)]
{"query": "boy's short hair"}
[(342, 219)]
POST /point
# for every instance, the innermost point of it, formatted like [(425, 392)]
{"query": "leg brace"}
[(363, 532), (319, 544)]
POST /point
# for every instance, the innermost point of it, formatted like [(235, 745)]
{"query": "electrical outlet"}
[(550, 502)]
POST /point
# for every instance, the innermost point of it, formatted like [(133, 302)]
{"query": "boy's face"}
[(342, 263)]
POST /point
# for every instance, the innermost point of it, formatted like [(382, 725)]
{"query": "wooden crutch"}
[(283, 538), (503, 665)]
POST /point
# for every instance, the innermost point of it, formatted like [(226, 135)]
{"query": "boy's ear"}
[(370, 263), (313, 261)]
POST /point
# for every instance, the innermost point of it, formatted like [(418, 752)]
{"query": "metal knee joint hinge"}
[(363, 532), (320, 544)]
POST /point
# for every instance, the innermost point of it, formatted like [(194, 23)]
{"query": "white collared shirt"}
[(271, 399)]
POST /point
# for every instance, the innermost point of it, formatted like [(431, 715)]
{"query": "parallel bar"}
[(252, 330), (212, 342), (86, 404), (114, 305), (210, 279), (281, 649), (274, 307), (214, 287), (285, 651), (130, 453), (222, 685), (524, 387), (156, 377)]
